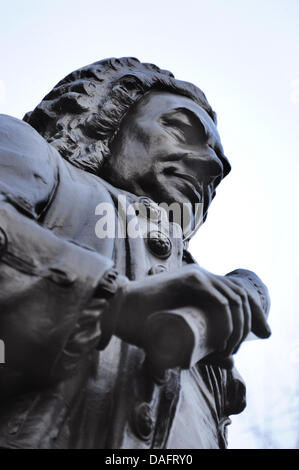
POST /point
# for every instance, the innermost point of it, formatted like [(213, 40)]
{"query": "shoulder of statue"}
[(28, 166)]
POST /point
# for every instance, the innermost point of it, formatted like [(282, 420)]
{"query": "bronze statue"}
[(116, 341)]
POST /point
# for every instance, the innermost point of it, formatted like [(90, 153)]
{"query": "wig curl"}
[(83, 112)]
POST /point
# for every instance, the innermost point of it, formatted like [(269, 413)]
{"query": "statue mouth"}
[(191, 188)]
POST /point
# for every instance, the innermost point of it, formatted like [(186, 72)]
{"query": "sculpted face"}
[(168, 148)]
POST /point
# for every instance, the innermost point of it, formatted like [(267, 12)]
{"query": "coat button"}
[(159, 244), (157, 269), (3, 242), (143, 421)]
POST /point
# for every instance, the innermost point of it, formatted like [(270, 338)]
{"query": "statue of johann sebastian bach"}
[(116, 342)]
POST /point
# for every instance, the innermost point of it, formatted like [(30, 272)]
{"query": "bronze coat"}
[(51, 264)]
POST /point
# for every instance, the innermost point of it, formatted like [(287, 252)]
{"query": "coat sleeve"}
[(48, 285), (255, 288)]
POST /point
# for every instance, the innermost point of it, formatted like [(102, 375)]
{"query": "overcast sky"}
[(244, 56)]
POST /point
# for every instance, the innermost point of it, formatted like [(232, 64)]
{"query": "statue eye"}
[(185, 128), (175, 128)]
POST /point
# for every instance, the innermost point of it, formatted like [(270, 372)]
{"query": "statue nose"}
[(207, 166), (215, 167)]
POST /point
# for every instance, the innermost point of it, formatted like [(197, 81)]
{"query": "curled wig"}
[(83, 112)]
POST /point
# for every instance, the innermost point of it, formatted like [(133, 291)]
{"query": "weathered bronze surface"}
[(114, 340)]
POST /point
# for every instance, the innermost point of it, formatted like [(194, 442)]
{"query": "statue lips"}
[(193, 188)]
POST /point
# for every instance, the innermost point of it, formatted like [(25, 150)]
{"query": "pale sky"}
[(244, 56)]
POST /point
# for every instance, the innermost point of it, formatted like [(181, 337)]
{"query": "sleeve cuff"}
[(254, 282)]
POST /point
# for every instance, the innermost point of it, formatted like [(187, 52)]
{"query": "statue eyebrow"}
[(189, 116)]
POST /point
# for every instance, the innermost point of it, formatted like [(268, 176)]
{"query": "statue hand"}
[(231, 302), (229, 311)]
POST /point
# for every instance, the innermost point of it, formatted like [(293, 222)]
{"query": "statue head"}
[(93, 114)]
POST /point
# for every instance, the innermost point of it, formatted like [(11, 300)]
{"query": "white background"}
[(244, 55)]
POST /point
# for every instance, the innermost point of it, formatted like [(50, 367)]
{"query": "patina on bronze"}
[(116, 342)]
